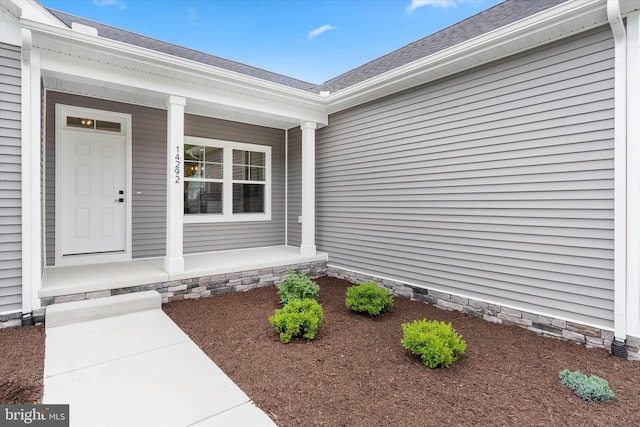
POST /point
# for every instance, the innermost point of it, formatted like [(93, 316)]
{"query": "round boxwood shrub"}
[(297, 286), (369, 298), (436, 343), (298, 318)]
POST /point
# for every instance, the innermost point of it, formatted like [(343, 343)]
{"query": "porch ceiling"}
[(138, 96)]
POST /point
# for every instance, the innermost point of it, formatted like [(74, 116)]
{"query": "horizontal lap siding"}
[(496, 184), (149, 141), (207, 237), (295, 187), (10, 180)]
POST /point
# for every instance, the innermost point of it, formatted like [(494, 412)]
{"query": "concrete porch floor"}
[(57, 281)]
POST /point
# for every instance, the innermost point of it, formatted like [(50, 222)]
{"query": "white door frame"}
[(62, 112)]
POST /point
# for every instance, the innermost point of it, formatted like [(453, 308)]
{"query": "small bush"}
[(369, 298), (297, 286), (591, 389), (298, 318), (436, 343)]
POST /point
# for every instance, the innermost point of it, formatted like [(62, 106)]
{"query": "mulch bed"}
[(21, 364), (356, 373)]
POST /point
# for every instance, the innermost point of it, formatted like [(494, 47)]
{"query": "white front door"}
[(91, 195), (92, 199)]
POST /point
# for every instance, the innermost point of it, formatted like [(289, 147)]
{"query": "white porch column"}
[(308, 243), (174, 260), (32, 247)]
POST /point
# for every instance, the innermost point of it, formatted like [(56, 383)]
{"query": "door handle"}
[(119, 200)]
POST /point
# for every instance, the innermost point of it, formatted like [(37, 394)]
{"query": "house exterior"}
[(487, 168)]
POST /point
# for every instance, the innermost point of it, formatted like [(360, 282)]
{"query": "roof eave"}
[(232, 81), (536, 30)]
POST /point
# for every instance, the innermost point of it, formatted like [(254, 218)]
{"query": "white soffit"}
[(137, 96)]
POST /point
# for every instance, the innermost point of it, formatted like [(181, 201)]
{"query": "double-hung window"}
[(226, 181)]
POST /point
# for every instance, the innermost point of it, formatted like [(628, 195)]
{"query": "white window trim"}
[(227, 214)]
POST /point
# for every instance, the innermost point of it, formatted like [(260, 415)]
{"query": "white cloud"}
[(103, 3), (320, 30), (435, 3)]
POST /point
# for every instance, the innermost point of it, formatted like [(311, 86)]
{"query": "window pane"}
[(248, 173), (202, 197), (212, 154), (78, 122), (202, 162), (239, 157), (240, 173), (213, 171), (248, 158), (257, 159), (110, 126), (193, 152), (192, 169), (248, 198), (257, 174)]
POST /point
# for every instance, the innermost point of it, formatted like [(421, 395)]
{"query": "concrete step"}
[(93, 309)]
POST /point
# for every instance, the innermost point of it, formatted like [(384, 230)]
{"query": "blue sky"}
[(312, 40)]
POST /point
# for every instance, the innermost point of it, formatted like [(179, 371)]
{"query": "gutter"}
[(618, 346), (539, 29)]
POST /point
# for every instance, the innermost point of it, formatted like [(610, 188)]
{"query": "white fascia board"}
[(309, 106), (545, 27), (85, 71)]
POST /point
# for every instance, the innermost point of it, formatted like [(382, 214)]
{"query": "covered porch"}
[(147, 103), (203, 275)]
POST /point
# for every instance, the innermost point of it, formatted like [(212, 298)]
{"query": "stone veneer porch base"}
[(192, 288), (541, 325)]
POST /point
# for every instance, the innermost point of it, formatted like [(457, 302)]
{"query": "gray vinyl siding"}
[(10, 180), (294, 204), (149, 137), (206, 237), (496, 183), (149, 141)]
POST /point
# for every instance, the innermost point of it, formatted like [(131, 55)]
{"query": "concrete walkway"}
[(120, 361)]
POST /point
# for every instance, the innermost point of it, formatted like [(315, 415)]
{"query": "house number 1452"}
[(178, 165)]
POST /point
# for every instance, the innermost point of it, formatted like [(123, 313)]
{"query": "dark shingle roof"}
[(498, 16), (117, 34)]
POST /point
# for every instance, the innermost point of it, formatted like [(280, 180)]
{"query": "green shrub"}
[(298, 318), (591, 389), (297, 286), (369, 298), (436, 343)]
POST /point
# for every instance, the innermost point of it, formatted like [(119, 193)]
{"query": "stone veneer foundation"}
[(193, 288), (541, 325), (199, 287)]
